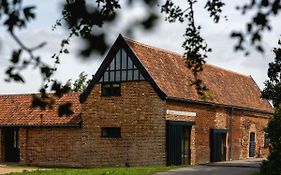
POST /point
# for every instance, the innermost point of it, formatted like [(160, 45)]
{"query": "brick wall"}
[(205, 116), (208, 117), (52, 146), (140, 114)]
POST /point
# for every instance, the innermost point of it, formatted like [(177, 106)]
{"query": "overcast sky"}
[(164, 35)]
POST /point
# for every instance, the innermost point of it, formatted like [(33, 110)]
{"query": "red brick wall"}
[(140, 114), (208, 117), (50, 146), (205, 116)]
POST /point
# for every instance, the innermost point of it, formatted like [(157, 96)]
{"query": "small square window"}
[(111, 89), (111, 132)]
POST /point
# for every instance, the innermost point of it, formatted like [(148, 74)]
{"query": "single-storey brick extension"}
[(140, 110)]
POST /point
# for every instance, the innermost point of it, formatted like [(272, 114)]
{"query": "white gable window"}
[(121, 69)]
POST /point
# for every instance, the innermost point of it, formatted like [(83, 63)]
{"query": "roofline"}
[(176, 99), (120, 43), (181, 55), (260, 90)]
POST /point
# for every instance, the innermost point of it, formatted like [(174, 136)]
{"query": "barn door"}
[(11, 144), (252, 145), (218, 145), (178, 143)]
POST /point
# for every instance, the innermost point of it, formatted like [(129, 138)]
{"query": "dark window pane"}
[(112, 67), (112, 132), (118, 76), (141, 77), (130, 75), (136, 74), (112, 76), (124, 73), (124, 59), (101, 79), (111, 89), (118, 60), (106, 79), (130, 64)]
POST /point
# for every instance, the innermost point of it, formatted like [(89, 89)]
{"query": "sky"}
[(164, 35)]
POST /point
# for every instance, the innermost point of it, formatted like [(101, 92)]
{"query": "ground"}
[(237, 167), (5, 169)]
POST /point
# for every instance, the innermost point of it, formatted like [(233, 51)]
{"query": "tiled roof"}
[(169, 71), (15, 110)]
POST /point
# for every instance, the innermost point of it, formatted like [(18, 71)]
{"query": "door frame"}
[(174, 147), (218, 145), (11, 146)]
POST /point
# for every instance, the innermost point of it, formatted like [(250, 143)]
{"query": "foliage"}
[(195, 46), (86, 19), (271, 166), (99, 171), (259, 24), (272, 91), (80, 84)]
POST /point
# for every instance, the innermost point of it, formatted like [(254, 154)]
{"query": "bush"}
[(271, 166)]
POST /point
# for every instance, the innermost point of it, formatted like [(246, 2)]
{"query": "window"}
[(111, 132), (266, 140), (121, 69), (111, 89)]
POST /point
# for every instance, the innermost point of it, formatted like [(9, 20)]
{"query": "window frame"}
[(110, 132), (111, 89)]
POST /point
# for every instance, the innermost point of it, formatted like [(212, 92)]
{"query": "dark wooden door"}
[(11, 144), (252, 144), (174, 154), (218, 145), (178, 143)]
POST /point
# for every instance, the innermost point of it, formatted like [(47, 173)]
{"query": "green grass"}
[(98, 171)]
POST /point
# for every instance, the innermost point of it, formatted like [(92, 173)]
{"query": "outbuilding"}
[(140, 110)]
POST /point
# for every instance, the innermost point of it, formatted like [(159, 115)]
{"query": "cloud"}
[(164, 35)]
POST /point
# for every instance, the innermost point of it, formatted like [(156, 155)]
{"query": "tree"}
[(272, 91), (80, 84), (86, 19)]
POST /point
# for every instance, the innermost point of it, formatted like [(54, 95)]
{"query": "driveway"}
[(237, 167)]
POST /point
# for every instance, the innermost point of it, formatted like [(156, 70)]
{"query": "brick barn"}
[(139, 110)]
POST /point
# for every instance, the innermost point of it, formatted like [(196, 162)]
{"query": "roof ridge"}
[(153, 47), (172, 52), (227, 70)]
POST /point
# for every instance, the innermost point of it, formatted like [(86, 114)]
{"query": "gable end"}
[(120, 44)]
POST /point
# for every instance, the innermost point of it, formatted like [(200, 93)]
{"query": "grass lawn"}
[(98, 171)]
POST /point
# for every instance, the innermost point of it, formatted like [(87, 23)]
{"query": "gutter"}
[(176, 99)]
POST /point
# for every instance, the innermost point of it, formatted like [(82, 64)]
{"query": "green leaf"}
[(28, 12), (16, 56), (65, 51)]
